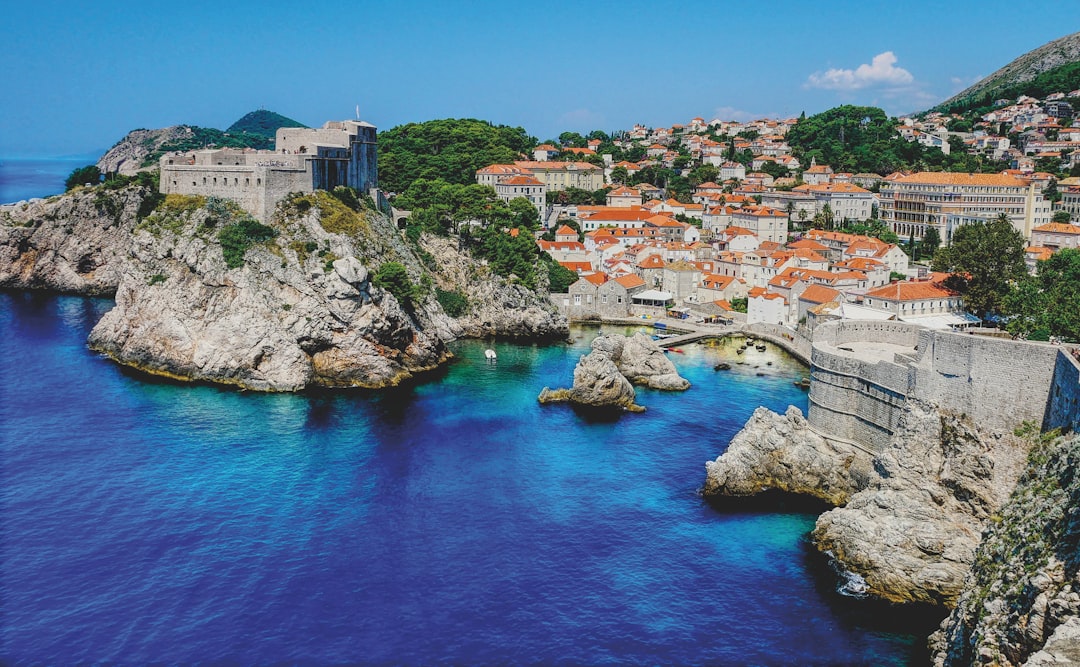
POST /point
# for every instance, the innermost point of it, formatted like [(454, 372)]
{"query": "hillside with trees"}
[(1050, 68), (860, 139), (262, 123), (449, 149)]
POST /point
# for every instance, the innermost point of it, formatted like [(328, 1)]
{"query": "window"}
[(603, 298), (577, 299)]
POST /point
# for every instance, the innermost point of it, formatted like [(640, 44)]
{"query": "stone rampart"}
[(864, 373)]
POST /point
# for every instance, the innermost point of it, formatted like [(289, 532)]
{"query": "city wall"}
[(996, 383)]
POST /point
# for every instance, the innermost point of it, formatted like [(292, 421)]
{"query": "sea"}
[(23, 178), (451, 521)]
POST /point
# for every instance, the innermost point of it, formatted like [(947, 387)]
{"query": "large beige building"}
[(555, 176), (305, 159), (912, 203)]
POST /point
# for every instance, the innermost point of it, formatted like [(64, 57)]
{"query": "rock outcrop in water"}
[(603, 377), (299, 312), (291, 316), (912, 533), (73, 243), (1020, 603), (910, 518), (781, 452)]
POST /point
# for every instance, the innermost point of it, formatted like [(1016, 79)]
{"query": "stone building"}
[(305, 160)]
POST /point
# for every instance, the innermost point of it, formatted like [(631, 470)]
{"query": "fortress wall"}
[(997, 383), (278, 184), (897, 333), (257, 190), (856, 399), (1063, 410)]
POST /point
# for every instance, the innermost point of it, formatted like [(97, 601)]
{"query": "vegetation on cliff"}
[(449, 149), (1021, 585)]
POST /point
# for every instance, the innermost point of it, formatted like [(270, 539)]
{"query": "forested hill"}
[(262, 123), (1053, 67), (864, 140), (449, 149)]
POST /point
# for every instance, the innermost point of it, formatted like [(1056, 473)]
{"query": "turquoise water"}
[(453, 521)]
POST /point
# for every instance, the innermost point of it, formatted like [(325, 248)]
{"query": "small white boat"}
[(490, 354)]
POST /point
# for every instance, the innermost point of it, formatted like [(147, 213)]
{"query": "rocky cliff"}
[(299, 310), (494, 305), (130, 154), (912, 533), (911, 516), (73, 243), (1021, 600)]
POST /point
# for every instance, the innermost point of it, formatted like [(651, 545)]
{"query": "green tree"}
[(560, 278), (88, 175), (985, 259), (450, 150), (1061, 217), (619, 175), (1048, 300), (523, 214), (931, 240), (394, 278)]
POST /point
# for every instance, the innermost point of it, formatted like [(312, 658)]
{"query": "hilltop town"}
[(739, 230)]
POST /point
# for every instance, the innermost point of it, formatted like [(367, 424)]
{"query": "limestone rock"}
[(912, 533), (73, 243), (642, 361), (1021, 599), (496, 306), (281, 322), (128, 154), (597, 384), (781, 452)]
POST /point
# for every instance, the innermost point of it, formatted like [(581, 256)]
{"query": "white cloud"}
[(881, 72), (731, 113)]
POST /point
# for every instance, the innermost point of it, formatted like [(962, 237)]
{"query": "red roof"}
[(910, 290), (819, 294)]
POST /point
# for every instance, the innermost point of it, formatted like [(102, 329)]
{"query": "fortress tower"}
[(304, 160)]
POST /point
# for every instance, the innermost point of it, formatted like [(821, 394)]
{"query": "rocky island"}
[(605, 377)]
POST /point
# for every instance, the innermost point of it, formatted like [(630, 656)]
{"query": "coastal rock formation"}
[(781, 452), (909, 519), (1021, 600), (300, 310), (73, 243), (495, 306), (912, 533), (598, 384), (603, 377), (642, 361), (129, 154)]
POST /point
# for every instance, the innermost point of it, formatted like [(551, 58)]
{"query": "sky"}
[(75, 77)]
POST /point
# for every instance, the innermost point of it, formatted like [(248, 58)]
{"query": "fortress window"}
[(247, 181), (204, 180), (258, 181), (193, 183)]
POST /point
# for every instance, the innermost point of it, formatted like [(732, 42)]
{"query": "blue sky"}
[(77, 76)]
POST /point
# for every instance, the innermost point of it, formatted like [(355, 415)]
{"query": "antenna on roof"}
[(357, 112)]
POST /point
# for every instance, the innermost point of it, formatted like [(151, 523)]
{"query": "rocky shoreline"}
[(298, 310)]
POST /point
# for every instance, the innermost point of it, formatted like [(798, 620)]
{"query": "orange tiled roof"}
[(952, 178), (630, 281), (1058, 228), (819, 294), (911, 291)]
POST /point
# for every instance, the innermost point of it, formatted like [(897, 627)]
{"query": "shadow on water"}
[(594, 415), (771, 501), (915, 620)]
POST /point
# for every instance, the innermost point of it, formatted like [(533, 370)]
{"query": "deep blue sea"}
[(27, 178), (456, 521)]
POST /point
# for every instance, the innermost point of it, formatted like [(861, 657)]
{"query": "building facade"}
[(304, 160)]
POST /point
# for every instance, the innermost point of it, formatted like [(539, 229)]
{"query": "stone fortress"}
[(304, 160), (864, 373)]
